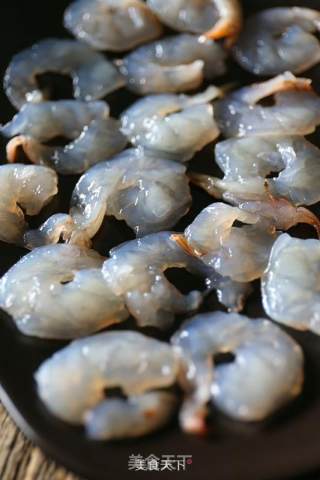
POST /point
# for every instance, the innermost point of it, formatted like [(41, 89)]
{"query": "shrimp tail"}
[(212, 185), (306, 216)]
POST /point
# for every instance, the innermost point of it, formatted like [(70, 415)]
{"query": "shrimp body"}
[(290, 283), (73, 381), (136, 271), (173, 64), (176, 126), (295, 112), (266, 373), (112, 24), (25, 189), (249, 162), (214, 18), (59, 292), (95, 136), (93, 76), (279, 39)]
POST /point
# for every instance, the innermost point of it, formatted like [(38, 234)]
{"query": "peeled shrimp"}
[(266, 373), (59, 292), (136, 271), (93, 76), (95, 136), (290, 283), (214, 18), (149, 193), (255, 167), (25, 189), (176, 126), (173, 64), (73, 381), (296, 110), (279, 39), (112, 24), (239, 254)]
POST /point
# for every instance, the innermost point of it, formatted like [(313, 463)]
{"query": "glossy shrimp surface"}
[(279, 39), (92, 74), (173, 64), (255, 167), (173, 125), (25, 189), (94, 135), (59, 292), (72, 384), (136, 270), (290, 283), (112, 24), (214, 18), (295, 111), (266, 371), (149, 193)]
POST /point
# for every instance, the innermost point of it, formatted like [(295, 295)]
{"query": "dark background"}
[(285, 446)]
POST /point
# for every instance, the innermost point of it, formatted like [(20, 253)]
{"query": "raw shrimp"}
[(173, 64), (25, 189), (265, 374), (95, 136), (239, 253), (255, 167), (279, 39), (149, 193), (72, 384), (173, 125), (136, 271), (59, 292), (214, 18), (93, 76), (112, 24), (296, 110), (290, 283)]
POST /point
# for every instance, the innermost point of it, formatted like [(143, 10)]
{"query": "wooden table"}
[(20, 460)]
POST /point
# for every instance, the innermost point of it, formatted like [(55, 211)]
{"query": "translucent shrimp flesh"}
[(256, 167), (265, 374), (279, 39), (58, 291), (173, 64), (136, 270), (94, 135), (25, 189), (72, 384), (238, 255), (290, 283), (214, 18), (149, 193), (92, 74), (176, 126), (296, 109), (112, 24)]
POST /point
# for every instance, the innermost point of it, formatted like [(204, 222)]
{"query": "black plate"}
[(286, 445)]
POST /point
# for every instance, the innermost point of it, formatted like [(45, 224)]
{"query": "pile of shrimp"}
[(136, 169)]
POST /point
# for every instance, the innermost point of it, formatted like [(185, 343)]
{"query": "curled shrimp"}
[(176, 126), (95, 136), (30, 289), (173, 64), (92, 74), (112, 24), (265, 374), (279, 39), (25, 189), (295, 111), (214, 18), (73, 384)]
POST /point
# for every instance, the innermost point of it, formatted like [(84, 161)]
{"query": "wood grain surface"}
[(20, 460)]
